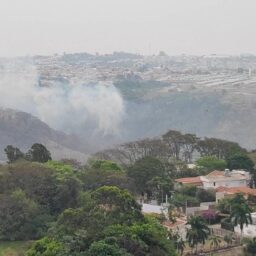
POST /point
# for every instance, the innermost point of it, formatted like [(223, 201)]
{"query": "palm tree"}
[(198, 231), (250, 247), (241, 215), (177, 240), (215, 241), (180, 246)]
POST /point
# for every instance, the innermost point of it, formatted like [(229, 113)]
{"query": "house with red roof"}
[(216, 179), (223, 192)]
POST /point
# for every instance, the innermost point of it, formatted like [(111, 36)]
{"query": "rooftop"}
[(235, 175), (221, 175), (237, 190), (190, 181)]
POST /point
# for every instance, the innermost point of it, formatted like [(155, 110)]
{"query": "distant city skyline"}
[(193, 27)]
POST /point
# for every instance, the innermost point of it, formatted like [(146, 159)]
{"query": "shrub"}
[(206, 195), (227, 224)]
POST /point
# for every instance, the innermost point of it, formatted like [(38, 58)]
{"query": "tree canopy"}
[(240, 161), (39, 153), (109, 222), (211, 163)]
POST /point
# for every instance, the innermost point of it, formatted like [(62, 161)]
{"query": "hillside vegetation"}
[(73, 209)]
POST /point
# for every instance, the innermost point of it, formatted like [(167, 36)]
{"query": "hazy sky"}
[(142, 26)]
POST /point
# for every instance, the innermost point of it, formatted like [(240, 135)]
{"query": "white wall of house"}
[(203, 207), (158, 209), (250, 230), (224, 183), (219, 196)]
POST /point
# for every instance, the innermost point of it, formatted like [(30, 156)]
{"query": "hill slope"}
[(22, 130)]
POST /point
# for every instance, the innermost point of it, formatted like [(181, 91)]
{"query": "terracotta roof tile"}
[(236, 190), (190, 180), (221, 189), (215, 173)]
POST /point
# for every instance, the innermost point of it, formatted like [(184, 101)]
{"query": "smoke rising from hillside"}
[(97, 108)]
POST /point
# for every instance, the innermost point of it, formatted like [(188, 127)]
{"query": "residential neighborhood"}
[(216, 179), (127, 128)]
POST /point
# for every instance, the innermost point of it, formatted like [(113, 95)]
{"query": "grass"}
[(17, 248)]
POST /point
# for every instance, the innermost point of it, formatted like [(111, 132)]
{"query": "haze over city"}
[(197, 27), (127, 127)]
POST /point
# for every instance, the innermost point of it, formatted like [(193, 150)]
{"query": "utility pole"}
[(162, 196)]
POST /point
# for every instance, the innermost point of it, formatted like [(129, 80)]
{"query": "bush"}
[(211, 163), (206, 195), (18, 216), (188, 190), (106, 165), (226, 224), (210, 216)]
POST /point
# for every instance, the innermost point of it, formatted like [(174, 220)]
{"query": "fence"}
[(223, 232)]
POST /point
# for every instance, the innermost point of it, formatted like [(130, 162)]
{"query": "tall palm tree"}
[(180, 245), (198, 231), (241, 215), (178, 241), (215, 241)]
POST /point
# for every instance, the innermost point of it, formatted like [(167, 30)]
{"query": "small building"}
[(191, 181), (216, 179), (235, 178), (223, 192)]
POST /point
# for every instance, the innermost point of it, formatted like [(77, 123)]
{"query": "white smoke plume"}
[(71, 108)]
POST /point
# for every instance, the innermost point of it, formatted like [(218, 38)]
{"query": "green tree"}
[(108, 222), (13, 153), (18, 216), (222, 149), (189, 146), (206, 195), (198, 231), (211, 163), (240, 161), (250, 247), (146, 238), (181, 200), (52, 189), (60, 169), (119, 204), (39, 153), (94, 178), (160, 188), (180, 246), (224, 205), (188, 190), (241, 215), (106, 165), (174, 140), (102, 248), (47, 247), (178, 241), (144, 170)]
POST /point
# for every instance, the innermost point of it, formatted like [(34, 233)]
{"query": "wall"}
[(235, 183)]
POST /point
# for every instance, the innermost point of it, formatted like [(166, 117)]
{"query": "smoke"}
[(73, 108)]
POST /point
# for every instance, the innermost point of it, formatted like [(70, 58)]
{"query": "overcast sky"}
[(142, 26)]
